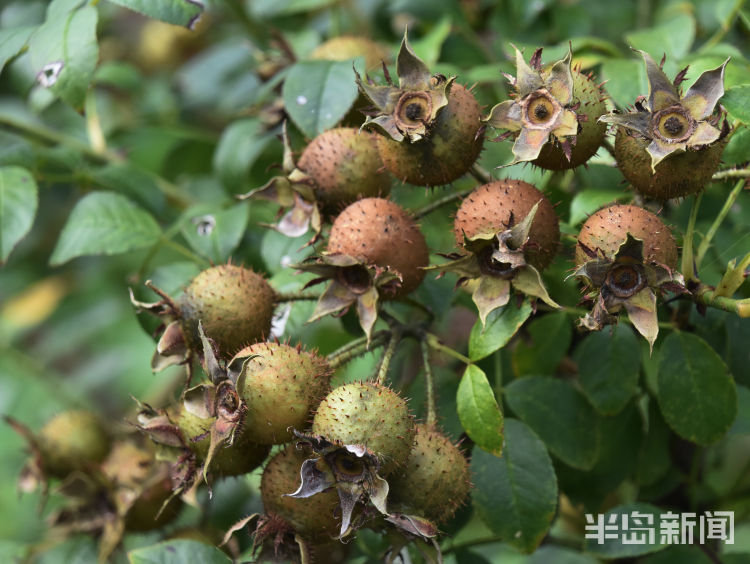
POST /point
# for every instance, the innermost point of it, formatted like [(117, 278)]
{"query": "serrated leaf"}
[(317, 94), (515, 495), (478, 410), (737, 102), (19, 198), (214, 232), (587, 202), (240, 145), (696, 394), (614, 547), (64, 50), (501, 325), (105, 223), (180, 551), (12, 42), (178, 12), (560, 415), (607, 368), (550, 337)]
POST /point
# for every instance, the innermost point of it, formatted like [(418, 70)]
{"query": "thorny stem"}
[(731, 173), (295, 297), (708, 297), (356, 348), (688, 262), (385, 363), (703, 247), (431, 419), (434, 343), (53, 137), (445, 200), (480, 174)]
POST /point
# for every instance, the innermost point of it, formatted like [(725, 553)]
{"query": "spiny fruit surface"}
[(453, 144), (435, 481), (241, 457), (344, 164), (381, 233), (234, 304), (72, 440), (491, 207), (677, 176), (346, 47), (311, 517), (280, 386), (369, 414), (607, 229), (591, 132)]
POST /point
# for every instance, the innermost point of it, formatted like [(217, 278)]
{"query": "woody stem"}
[(295, 297), (356, 348), (388, 356), (431, 419), (707, 296)]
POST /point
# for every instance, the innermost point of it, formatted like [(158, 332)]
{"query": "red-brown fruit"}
[(499, 205), (607, 229), (344, 165), (381, 233), (453, 143)]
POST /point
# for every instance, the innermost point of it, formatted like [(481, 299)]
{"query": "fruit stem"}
[(295, 297), (707, 296), (385, 362), (703, 247), (432, 206), (688, 263), (431, 419), (434, 343), (480, 174), (356, 348)]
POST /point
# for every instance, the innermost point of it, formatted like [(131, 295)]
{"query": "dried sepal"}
[(671, 122), (407, 110), (542, 107)]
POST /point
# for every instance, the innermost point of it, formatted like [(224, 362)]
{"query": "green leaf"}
[(240, 145), (587, 202), (501, 325), (317, 94), (737, 102), (178, 12), (515, 495), (680, 554), (626, 80), (19, 197), (179, 551), (272, 8), (697, 395), (654, 459), (105, 223), (560, 415), (215, 233), (478, 411), (12, 42), (607, 368), (613, 547), (672, 39), (132, 182), (550, 338), (64, 51), (737, 150), (559, 555)]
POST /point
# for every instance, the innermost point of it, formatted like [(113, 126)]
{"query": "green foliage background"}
[(148, 128)]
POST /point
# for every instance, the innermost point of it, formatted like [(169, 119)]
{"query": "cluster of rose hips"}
[(353, 456)]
